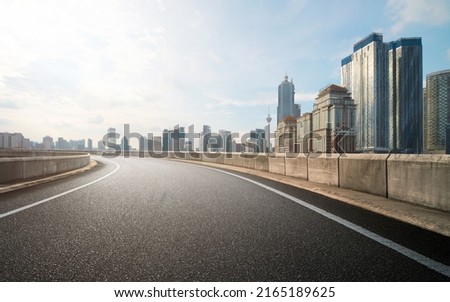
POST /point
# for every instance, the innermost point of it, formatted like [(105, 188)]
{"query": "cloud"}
[(305, 97), (221, 101), (8, 105), (98, 119), (426, 12)]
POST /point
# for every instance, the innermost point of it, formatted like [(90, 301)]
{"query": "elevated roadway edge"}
[(25, 184)]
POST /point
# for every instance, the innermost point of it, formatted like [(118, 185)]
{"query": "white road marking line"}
[(3, 215), (430, 263)]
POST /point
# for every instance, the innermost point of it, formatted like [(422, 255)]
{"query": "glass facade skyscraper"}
[(364, 74), (437, 112), (405, 95), (385, 80), (286, 106)]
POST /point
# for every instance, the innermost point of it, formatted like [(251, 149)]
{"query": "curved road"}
[(158, 220)]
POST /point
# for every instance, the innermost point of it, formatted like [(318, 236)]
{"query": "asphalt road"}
[(160, 220)]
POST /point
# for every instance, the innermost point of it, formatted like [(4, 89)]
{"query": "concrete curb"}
[(430, 219), (26, 184)]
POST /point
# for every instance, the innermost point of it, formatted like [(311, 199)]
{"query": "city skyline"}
[(70, 71)]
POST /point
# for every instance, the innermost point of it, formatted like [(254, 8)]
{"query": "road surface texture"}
[(131, 219)]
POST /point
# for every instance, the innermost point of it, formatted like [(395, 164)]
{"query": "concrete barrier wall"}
[(277, 163), (217, 158), (297, 165), (324, 168), (262, 162), (364, 172), (237, 160), (13, 168), (420, 179)]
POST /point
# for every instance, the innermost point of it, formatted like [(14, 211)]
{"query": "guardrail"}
[(23, 165)]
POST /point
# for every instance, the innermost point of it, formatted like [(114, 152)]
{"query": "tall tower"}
[(405, 95), (286, 106), (364, 75), (267, 131), (436, 115), (385, 80)]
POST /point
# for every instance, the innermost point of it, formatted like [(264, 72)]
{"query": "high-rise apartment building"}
[(205, 136), (364, 74), (385, 80), (405, 109), (437, 112), (286, 105), (14, 141), (47, 143)]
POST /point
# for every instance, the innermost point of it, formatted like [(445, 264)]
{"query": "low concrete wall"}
[(277, 163), (324, 168), (237, 160), (364, 172), (249, 161), (420, 179), (297, 165), (217, 158), (39, 164), (262, 162)]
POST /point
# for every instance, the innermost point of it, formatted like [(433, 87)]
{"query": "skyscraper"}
[(405, 95), (385, 80), (286, 106), (437, 112)]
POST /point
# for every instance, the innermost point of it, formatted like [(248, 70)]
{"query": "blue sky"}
[(75, 68)]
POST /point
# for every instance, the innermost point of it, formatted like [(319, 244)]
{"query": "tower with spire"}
[(286, 105)]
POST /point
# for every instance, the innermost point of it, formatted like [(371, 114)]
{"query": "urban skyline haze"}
[(74, 69)]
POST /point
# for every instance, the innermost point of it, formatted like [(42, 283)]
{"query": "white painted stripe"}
[(430, 263), (3, 215)]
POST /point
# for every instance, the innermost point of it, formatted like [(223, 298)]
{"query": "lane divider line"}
[(3, 215), (428, 262)]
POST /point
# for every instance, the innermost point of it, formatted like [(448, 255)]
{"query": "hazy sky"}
[(75, 68)]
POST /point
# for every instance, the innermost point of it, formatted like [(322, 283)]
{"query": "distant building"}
[(157, 145), (286, 105), (111, 137), (204, 138), (174, 140), (225, 141), (305, 133), (47, 143), (332, 121), (286, 135), (14, 141), (385, 80), (100, 145), (178, 137), (257, 141), (237, 147), (89, 144), (61, 144), (437, 112)]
